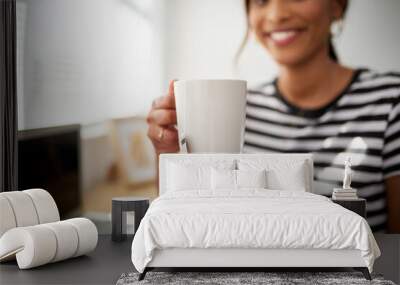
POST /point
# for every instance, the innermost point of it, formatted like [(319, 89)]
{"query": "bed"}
[(247, 211)]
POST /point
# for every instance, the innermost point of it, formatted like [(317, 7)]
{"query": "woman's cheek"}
[(313, 9), (317, 13), (256, 20), (256, 28)]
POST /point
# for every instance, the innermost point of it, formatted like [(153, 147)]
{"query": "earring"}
[(337, 27)]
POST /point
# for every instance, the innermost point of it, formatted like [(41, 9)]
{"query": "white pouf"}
[(87, 233), (37, 245), (31, 231), (67, 240), (45, 205), (33, 246), (23, 208), (7, 218)]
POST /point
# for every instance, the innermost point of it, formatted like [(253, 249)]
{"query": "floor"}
[(103, 266), (389, 262), (110, 260)]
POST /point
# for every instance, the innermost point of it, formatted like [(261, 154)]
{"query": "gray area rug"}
[(226, 278)]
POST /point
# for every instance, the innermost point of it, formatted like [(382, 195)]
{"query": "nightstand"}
[(357, 205), (121, 206)]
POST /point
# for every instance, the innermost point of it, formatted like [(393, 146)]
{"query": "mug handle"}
[(184, 146)]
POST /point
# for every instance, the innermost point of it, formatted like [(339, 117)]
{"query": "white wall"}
[(371, 35), (86, 61), (202, 37)]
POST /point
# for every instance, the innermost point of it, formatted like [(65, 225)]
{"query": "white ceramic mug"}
[(211, 115)]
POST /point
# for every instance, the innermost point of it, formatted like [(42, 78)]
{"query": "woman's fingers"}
[(167, 101), (161, 120), (164, 102), (162, 134), (162, 117), (165, 139)]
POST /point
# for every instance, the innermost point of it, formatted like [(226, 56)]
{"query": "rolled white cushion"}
[(87, 235), (23, 208), (45, 205), (33, 246), (7, 218), (67, 240)]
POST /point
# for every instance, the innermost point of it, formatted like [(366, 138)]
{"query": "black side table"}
[(120, 207), (358, 206)]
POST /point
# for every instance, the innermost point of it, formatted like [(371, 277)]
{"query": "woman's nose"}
[(277, 11)]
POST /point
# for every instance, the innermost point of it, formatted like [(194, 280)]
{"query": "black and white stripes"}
[(363, 123)]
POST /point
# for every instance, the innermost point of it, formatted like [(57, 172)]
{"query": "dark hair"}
[(331, 51)]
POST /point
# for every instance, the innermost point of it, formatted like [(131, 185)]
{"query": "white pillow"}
[(193, 174), (237, 179), (188, 177), (223, 179), (282, 174), (251, 178)]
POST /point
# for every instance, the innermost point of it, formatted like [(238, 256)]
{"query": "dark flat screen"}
[(50, 159)]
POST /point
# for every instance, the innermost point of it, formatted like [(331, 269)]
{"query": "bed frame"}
[(262, 259), (247, 259)]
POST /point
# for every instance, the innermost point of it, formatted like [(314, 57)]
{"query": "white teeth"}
[(281, 36)]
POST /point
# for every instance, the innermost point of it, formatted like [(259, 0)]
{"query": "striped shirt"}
[(363, 123)]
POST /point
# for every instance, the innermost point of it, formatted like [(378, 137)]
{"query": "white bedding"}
[(250, 218)]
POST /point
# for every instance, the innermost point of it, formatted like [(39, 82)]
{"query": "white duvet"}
[(250, 219)]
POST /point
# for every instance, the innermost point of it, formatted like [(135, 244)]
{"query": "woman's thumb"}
[(171, 87)]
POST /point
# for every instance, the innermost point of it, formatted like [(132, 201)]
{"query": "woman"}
[(316, 105)]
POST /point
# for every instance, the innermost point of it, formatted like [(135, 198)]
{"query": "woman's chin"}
[(289, 60), (293, 57)]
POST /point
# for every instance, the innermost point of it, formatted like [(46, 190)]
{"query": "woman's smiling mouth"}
[(283, 38)]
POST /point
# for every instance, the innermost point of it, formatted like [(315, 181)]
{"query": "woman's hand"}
[(162, 120)]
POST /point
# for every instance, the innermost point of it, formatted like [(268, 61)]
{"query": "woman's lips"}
[(284, 37)]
